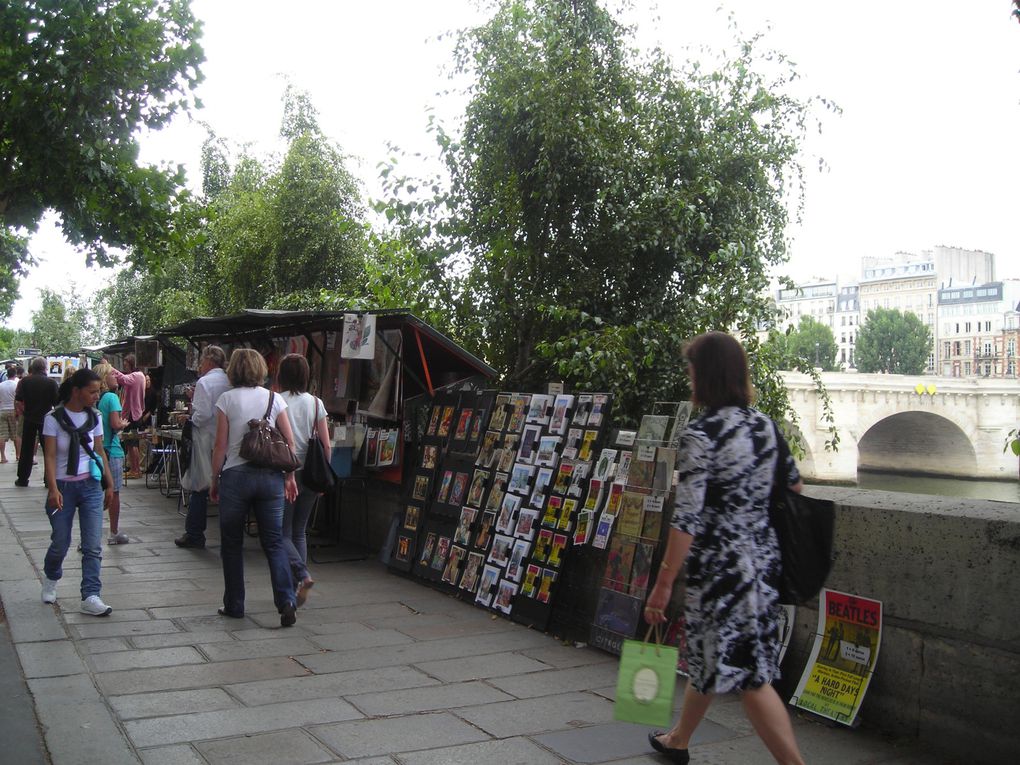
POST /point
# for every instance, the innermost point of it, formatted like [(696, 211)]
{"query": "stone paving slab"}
[(144, 658), (166, 703), (290, 747), (513, 751), (557, 681), (197, 726), (531, 716), (51, 659), (426, 699), (197, 676), (614, 741), (328, 686), (481, 667), (396, 734), (251, 649)]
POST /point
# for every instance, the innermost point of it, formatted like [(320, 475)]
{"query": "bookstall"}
[(531, 505), (372, 371)]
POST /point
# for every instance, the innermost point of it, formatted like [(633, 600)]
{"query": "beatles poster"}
[(843, 656)]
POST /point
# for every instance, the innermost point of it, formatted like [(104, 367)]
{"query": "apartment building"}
[(846, 322), (978, 329)]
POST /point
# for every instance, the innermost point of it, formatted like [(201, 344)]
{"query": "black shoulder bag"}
[(805, 527)]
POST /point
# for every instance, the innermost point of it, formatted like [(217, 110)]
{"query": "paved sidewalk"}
[(378, 670)]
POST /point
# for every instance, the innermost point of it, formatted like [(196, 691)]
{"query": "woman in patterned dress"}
[(720, 528)]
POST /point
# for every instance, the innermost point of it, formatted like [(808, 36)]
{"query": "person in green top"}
[(110, 408)]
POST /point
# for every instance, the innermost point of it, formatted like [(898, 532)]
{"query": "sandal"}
[(302, 590)]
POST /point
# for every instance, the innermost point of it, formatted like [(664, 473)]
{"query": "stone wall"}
[(947, 571)]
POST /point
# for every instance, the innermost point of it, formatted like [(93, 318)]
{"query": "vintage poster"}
[(359, 336), (843, 657)]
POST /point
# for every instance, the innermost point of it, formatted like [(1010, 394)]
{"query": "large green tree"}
[(605, 206), (893, 342), (62, 322), (78, 80), (813, 342)]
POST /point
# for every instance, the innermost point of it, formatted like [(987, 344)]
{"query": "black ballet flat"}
[(679, 756)]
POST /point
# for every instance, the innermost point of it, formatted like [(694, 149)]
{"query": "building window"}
[(948, 349), (967, 327), (988, 326), (988, 349), (988, 370), (966, 347), (966, 369)]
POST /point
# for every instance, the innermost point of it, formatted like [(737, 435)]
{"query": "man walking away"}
[(132, 380), (35, 396)]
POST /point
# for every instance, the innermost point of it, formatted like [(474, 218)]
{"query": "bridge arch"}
[(917, 442)]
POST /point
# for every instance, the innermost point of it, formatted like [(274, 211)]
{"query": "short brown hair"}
[(293, 373), (129, 362), (721, 376), (247, 368)]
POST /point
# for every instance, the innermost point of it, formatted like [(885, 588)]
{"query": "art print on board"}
[(520, 479), (599, 404), (485, 530), (566, 514), (617, 612), (618, 565), (538, 409), (470, 578), (452, 569), (427, 549), (499, 412), (463, 424), (542, 545), (552, 511), (582, 410), (545, 586), (514, 568), (487, 584), (631, 514), (477, 491), (527, 524), (403, 553), (442, 551), (358, 336), (429, 457), (561, 407), (559, 544), (459, 490), (421, 488), (463, 533), (641, 571), (519, 413), (532, 575), (445, 422), (543, 477), (476, 426), (412, 515), (495, 498), (487, 453), (529, 443), (509, 452), (547, 456), (653, 428), (505, 596), (506, 520), (501, 546), (387, 447), (444, 487)]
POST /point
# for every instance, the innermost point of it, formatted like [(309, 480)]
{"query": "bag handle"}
[(658, 637), (269, 407)]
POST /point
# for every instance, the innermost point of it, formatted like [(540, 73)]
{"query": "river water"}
[(1004, 491)]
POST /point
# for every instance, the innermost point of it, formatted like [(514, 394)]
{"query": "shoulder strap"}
[(269, 407), (782, 451)]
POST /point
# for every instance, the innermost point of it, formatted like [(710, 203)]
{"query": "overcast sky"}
[(924, 153)]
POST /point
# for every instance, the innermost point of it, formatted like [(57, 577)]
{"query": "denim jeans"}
[(295, 522), (195, 520), (31, 432), (259, 490), (86, 498)]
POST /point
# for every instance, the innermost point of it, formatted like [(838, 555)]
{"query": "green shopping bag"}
[(646, 682)]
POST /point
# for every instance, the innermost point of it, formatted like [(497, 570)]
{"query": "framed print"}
[(485, 530), (561, 407), (599, 405), (442, 551), (519, 413), (476, 426), (545, 586), (463, 425), (427, 549), (437, 410), (559, 544), (587, 444), (538, 409), (506, 520), (582, 410), (504, 596), (421, 488), (527, 524), (487, 452), (506, 459), (543, 477), (463, 533), (452, 569), (429, 457), (476, 493), (412, 515), (501, 547), (532, 574), (564, 476), (459, 490), (499, 412), (496, 492), (581, 470), (487, 584), (566, 514), (445, 422), (469, 580), (514, 568), (547, 456), (552, 511), (529, 443), (520, 479), (444, 487), (542, 545), (403, 552)]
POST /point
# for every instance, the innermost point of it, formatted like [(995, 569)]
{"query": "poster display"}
[(843, 656)]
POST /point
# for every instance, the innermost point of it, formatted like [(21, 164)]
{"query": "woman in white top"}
[(70, 488), (240, 486), (307, 417)]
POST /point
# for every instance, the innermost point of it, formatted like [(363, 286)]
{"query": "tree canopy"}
[(893, 342), (78, 80), (809, 344)]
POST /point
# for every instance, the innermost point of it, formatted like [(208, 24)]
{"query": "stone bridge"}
[(939, 426)]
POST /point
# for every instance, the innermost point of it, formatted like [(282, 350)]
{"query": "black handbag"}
[(317, 474), (264, 446), (805, 527)]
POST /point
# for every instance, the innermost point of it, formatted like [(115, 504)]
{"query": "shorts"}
[(9, 425), (116, 471)]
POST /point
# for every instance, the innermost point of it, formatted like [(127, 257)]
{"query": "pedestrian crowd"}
[(80, 423)]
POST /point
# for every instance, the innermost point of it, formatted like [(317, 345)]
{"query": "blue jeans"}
[(195, 520), (295, 522), (259, 490), (86, 498)]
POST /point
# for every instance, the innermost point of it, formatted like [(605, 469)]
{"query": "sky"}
[(923, 153)]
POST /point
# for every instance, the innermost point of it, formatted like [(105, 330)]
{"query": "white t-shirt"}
[(7, 390), (52, 428), (241, 405), (304, 412)]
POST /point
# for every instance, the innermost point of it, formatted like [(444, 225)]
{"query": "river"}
[(1004, 491)]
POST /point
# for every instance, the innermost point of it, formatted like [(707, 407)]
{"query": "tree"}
[(78, 80), (814, 342), (62, 323), (893, 342), (603, 206)]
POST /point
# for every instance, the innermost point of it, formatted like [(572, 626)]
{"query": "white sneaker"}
[(49, 591), (120, 538), (94, 606)]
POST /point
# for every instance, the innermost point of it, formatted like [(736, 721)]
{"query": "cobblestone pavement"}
[(378, 670)]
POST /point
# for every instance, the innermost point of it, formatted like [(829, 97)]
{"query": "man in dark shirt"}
[(36, 395)]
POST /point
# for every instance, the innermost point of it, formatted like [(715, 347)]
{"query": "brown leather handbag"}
[(264, 446)]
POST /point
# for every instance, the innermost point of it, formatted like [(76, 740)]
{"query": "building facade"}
[(978, 330), (846, 322)]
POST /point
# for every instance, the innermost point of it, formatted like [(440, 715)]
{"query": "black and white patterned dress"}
[(727, 464)]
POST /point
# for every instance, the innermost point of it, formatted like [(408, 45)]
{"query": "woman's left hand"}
[(655, 607), (290, 487)]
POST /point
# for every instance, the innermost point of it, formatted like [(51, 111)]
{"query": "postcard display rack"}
[(632, 527), (506, 486)]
